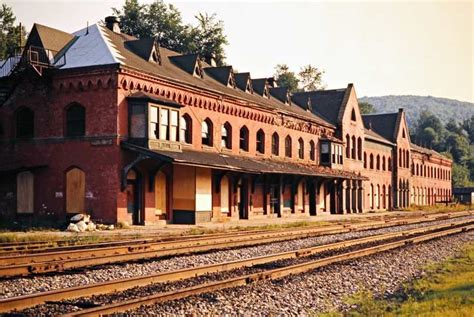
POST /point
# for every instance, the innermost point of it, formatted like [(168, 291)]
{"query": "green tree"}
[(429, 131), (311, 78), (208, 38), (286, 78), (307, 79), (366, 108), (164, 22), (10, 32), (460, 176), (458, 145), (468, 126)]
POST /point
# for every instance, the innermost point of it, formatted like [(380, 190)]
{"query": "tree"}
[(429, 131), (460, 175), (458, 145), (311, 78), (208, 38), (468, 126), (164, 22), (10, 32), (308, 78), (366, 108), (286, 78)]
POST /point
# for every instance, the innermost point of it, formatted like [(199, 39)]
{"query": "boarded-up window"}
[(75, 190), (160, 194), (24, 187)]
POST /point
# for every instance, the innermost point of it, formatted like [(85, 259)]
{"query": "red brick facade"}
[(266, 155)]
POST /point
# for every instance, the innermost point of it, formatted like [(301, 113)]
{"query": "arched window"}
[(226, 136), (400, 156), (389, 163), (359, 149), (365, 160), (378, 162), (25, 123), (244, 138), (383, 163), (353, 149), (206, 132), (371, 161), (348, 146), (288, 146), (186, 129), (312, 151), (300, 148), (353, 115), (260, 141), (75, 120), (275, 144), (407, 159)]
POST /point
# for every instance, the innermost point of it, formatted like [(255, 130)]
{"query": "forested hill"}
[(443, 108)]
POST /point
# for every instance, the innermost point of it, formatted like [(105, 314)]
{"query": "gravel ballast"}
[(29, 285)]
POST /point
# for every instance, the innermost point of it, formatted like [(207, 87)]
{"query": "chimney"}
[(113, 23), (400, 110)]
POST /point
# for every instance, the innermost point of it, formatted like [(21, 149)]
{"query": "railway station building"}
[(101, 122)]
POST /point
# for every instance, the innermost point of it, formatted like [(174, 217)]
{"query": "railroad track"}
[(56, 245), (36, 263), (387, 241)]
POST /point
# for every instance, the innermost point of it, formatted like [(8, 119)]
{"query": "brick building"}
[(102, 122)]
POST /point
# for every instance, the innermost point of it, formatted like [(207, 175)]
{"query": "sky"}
[(384, 48)]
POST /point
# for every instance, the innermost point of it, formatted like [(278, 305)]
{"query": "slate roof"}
[(242, 80), (241, 163), (280, 93), (259, 85), (186, 62), (221, 74), (372, 135), (424, 150), (142, 47), (324, 103), (383, 124)]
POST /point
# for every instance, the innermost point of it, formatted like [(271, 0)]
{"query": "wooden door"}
[(160, 194), (24, 192), (75, 190)]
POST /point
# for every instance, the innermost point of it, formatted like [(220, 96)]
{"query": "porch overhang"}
[(228, 162)]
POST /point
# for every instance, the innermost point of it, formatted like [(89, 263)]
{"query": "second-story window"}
[(186, 129), (75, 121), (325, 153), (25, 123), (206, 132), (301, 148), (312, 151), (244, 138), (226, 136), (164, 132), (260, 141), (288, 146), (275, 144), (353, 149)]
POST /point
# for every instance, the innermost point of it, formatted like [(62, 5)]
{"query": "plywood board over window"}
[(75, 190), (24, 187), (160, 194)]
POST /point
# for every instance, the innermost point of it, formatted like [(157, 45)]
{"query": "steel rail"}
[(255, 277), (26, 301), (11, 248), (60, 261)]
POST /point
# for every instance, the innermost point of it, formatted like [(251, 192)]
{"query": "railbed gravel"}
[(41, 283)]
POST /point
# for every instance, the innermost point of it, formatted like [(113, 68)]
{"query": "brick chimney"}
[(113, 23)]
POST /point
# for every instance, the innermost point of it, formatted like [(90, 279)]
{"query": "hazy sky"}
[(419, 48)]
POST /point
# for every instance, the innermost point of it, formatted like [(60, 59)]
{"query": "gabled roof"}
[(374, 136), (222, 74), (187, 62), (280, 93), (243, 81), (385, 124), (260, 86), (325, 103), (49, 38), (302, 100), (145, 48)]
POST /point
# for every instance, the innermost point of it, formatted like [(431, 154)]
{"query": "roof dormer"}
[(244, 82), (281, 93), (303, 100), (260, 86), (147, 48), (223, 74), (190, 63)]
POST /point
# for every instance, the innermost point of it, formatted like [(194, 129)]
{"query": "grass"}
[(268, 227), (447, 290), (439, 208)]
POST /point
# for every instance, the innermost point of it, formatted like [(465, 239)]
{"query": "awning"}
[(230, 162)]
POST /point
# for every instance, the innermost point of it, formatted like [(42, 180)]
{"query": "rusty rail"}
[(65, 260), (26, 301), (266, 275)]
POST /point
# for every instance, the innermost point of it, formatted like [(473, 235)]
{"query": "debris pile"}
[(83, 222)]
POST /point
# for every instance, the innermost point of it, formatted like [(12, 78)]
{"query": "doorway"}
[(312, 198), (275, 199), (133, 192), (243, 199)]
